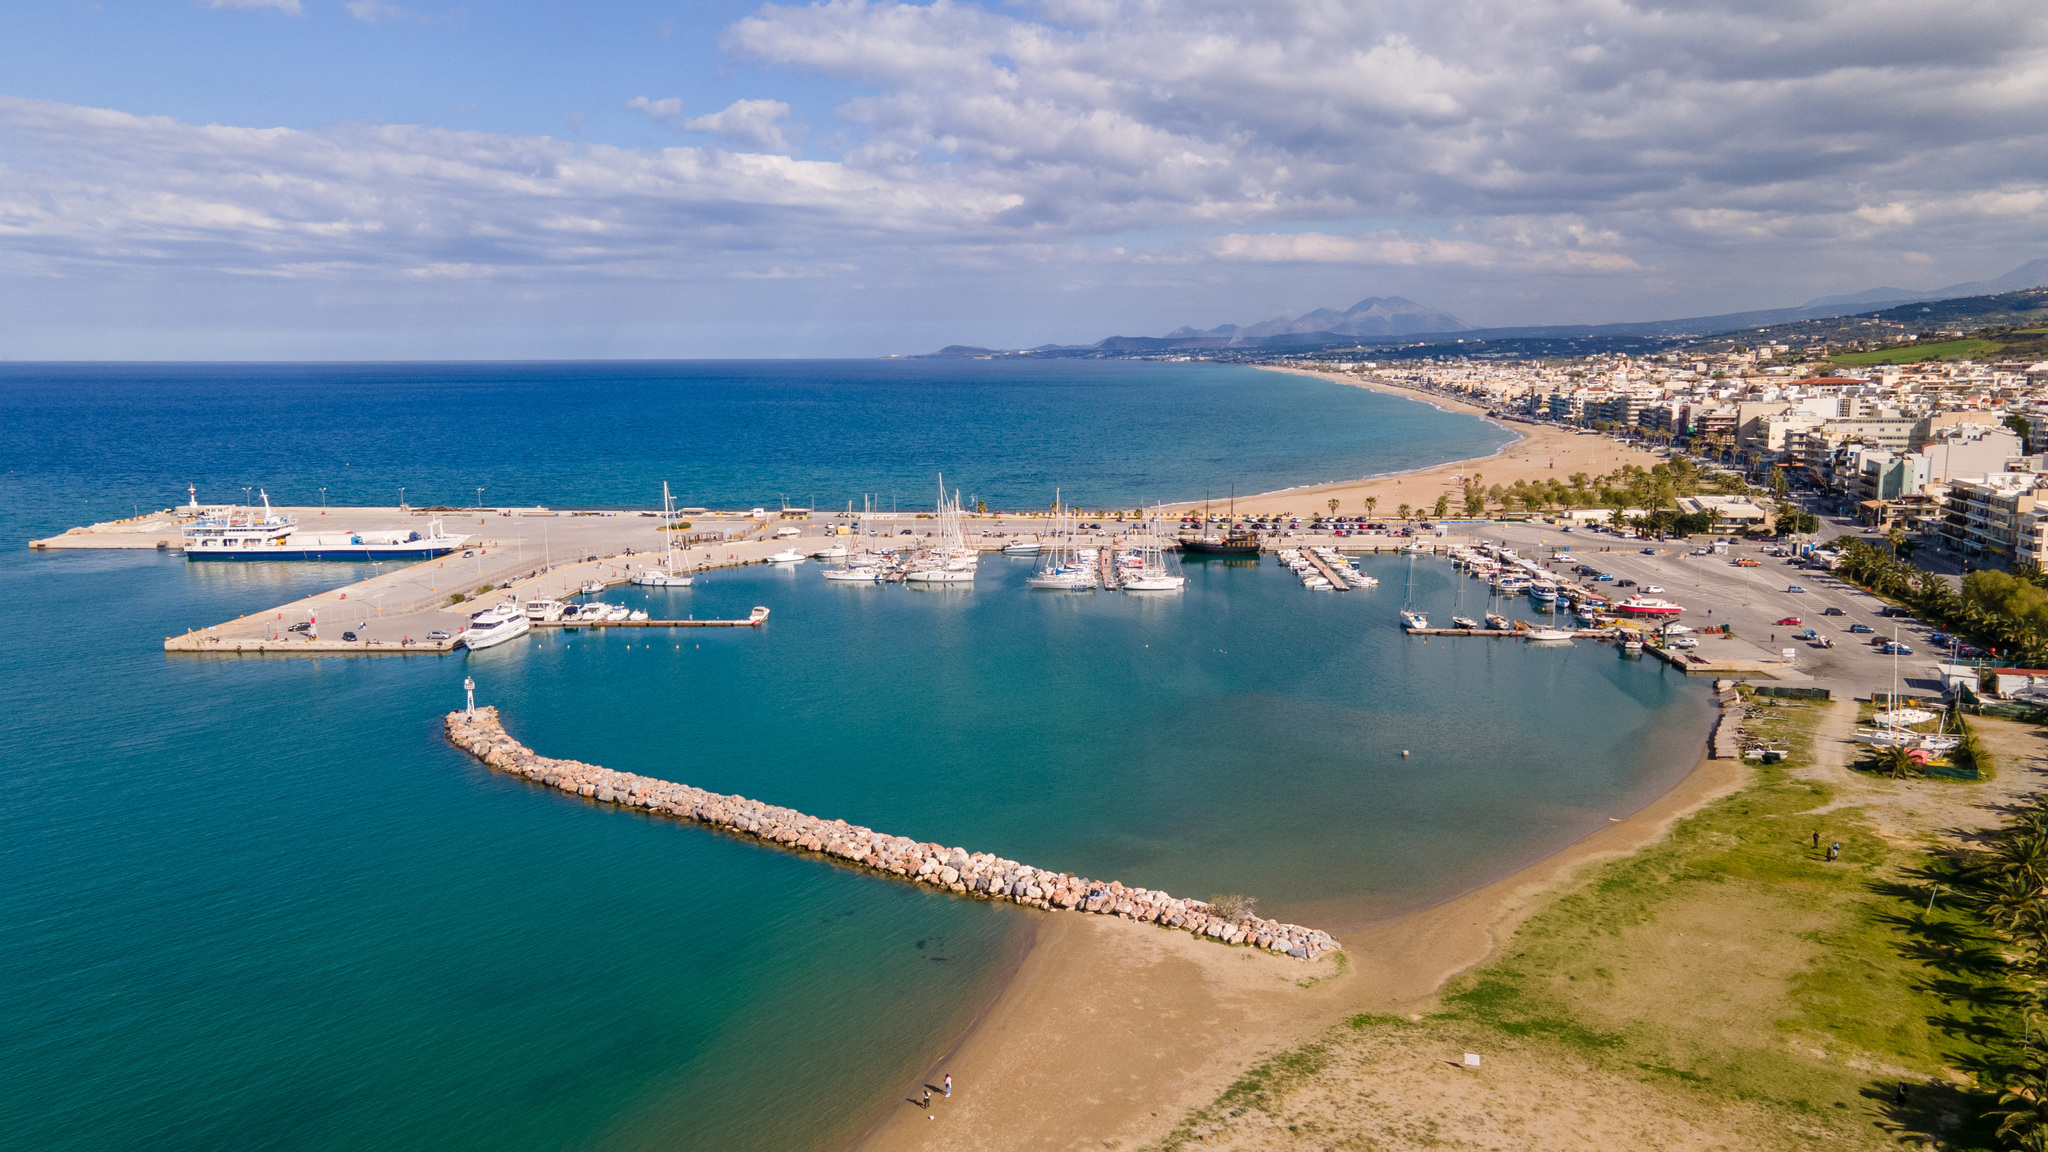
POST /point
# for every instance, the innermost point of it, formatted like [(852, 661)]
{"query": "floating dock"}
[(978, 874)]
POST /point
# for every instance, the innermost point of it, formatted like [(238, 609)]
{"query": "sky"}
[(425, 179)]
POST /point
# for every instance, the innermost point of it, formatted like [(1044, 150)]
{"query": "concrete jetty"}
[(978, 874)]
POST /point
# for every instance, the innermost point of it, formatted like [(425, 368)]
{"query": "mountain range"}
[(1394, 320)]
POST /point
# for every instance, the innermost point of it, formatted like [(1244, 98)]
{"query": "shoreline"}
[(1534, 454), (1109, 1034)]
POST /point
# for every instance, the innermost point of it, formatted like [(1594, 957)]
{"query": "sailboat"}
[(1894, 726), (1153, 574), (1411, 617), (1060, 569), (668, 575), (950, 560)]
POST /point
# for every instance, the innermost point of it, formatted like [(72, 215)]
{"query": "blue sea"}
[(259, 903)]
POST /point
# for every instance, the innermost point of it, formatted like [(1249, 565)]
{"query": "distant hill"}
[(1385, 320), (1372, 316)]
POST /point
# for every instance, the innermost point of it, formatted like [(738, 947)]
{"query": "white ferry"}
[(242, 534)]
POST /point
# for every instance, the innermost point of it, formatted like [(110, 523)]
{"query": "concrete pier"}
[(977, 874)]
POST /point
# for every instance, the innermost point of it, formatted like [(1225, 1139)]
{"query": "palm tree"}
[(1333, 505), (1371, 502), (1404, 512), (1897, 763)]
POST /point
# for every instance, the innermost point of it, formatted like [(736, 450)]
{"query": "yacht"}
[(494, 625), (669, 575), (861, 575), (832, 551), (787, 556), (1649, 607), (591, 587), (547, 610), (950, 560), (1021, 548)]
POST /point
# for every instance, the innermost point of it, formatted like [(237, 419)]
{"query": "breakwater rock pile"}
[(954, 869)]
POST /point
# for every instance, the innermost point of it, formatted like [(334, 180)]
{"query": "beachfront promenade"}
[(955, 869)]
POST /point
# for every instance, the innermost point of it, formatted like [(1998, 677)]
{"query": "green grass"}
[(1909, 353), (1733, 960)]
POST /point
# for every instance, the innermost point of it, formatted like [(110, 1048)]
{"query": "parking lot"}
[(1715, 591)]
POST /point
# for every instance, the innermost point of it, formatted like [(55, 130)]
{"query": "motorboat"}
[(1649, 607), (591, 587), (1158, 583), (1498, 622), (636, 614), (616, 613), (544, 609), (830, 552), (854, 575), (494, 625), (1021, 548), (787, 556)]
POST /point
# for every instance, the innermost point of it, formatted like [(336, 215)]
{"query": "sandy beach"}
[(1543, 452), (1112, 1031)]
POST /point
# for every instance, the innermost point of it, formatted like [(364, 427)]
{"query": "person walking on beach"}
[(949, 1085), (927, 1098)]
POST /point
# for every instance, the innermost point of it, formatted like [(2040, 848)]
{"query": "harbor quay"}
[(983, 875)]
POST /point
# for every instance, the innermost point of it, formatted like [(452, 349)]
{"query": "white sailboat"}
[(949, 560), (668, 575), (1060, 569), (1410, 616), (1153, 575)]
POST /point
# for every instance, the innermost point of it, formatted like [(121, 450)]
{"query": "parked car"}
[(1746, 562), (1604, 576), (1653, 589), (1682, 642), (1649, 551), (1794, 588), (1861, 628), (1791, 620), (1891, 611), (437, 634), (349, 636), (1832, 612), (1624, 583), (301, 626), (1901, 649), (1806, 634), (1941, 638), (1970, 650)]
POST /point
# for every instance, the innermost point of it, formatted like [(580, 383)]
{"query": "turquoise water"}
[(260, 903)]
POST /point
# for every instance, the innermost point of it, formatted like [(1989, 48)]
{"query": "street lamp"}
[(479, 499), (323, 501)]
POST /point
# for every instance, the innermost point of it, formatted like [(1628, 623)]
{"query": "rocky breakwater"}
[(978, 874)]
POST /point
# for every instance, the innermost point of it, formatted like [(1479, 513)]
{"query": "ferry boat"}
[(494, 625), (241, 534), (1649, 607)]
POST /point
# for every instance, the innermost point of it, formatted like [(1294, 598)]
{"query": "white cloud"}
[(288, 7), (375, 11), (751, 123), (662, 111)]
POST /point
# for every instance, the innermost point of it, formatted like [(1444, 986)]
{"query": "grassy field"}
[(1728, 987), (1910, 353)]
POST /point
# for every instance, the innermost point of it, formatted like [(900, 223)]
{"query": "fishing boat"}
[(786, 556), (493, 626), (669, 575)]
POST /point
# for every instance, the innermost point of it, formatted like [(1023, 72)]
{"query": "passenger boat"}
[(494, 625), (241, 534)]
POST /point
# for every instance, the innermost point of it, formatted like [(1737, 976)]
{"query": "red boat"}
[(1648, 606)]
